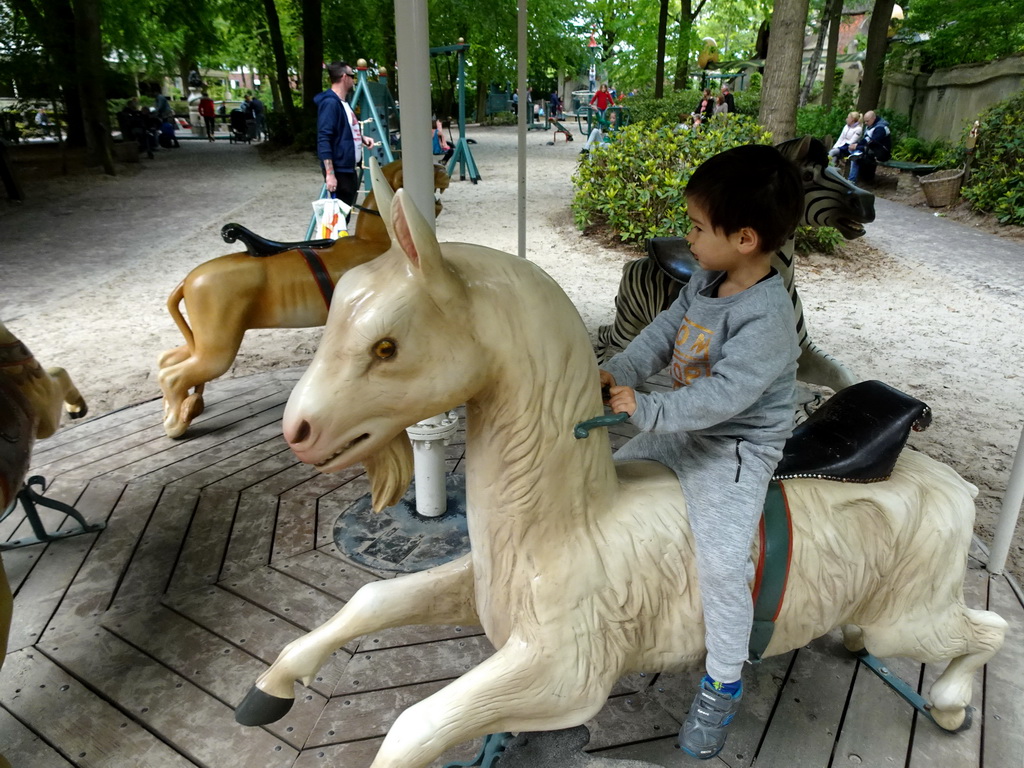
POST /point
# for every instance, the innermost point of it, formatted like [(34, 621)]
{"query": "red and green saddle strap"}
[(776, 551), (320, 274)]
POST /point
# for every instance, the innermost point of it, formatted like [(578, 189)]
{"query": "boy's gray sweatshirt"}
[(734, 357)]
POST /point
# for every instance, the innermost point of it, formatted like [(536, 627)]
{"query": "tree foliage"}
[(967, 31)]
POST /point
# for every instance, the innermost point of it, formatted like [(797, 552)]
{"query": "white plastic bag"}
[(330, 215)]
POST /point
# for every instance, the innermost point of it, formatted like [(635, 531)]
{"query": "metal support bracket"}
[(904, 691), (494, 745), (30, 500)]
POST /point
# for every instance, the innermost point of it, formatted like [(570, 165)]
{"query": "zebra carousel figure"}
[(649, 285)]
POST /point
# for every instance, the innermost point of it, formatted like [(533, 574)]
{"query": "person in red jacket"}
[(602, 100), (208, 113)]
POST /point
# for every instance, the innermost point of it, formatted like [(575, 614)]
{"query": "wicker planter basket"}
[(942, 188)]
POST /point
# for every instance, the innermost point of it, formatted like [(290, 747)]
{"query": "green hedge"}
[(668, 108), (996, 184), (635, 184)]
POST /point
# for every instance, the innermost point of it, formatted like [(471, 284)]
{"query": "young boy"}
[(731, 343)]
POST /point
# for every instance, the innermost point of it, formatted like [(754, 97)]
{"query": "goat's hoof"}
[(82, 410), (192, 408), (174, 427), (953, 720), (259, 708)]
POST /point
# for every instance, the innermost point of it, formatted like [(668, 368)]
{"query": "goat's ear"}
[(382, 194), (804, 147), (414, 235)]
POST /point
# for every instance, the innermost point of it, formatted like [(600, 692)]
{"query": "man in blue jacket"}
[(875, 147), (339, 139)]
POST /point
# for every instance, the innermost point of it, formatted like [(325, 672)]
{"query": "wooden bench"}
[(915, 168)]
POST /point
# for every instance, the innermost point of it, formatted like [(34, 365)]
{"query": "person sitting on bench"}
[(875, 148), (851, 134)]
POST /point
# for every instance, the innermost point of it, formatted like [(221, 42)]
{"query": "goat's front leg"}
[(519, 688), (442, 595), (59, 391)]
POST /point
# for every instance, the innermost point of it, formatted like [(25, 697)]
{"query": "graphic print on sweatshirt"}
[(691, 358)]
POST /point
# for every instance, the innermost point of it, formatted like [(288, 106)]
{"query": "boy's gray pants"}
[(724, 482)]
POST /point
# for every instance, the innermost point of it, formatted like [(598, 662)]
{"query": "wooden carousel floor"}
[(131, 646)]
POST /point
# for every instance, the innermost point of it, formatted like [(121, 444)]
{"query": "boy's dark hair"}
[(750, 186), (336, 70)]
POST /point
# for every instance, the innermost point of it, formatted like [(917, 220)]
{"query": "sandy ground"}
[(87, 264)]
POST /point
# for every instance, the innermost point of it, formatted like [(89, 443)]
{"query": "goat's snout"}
[(298, 433)]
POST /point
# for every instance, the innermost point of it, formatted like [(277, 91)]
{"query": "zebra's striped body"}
[(829, 200)]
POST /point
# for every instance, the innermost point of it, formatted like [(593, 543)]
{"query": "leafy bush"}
[(500, 118), (914, 150), (646, 109), (899, 124), (997, 179), (820, 121), (668, 108), (818, 239), (636, 183)]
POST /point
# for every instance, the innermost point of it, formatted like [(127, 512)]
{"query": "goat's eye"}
[(385, 349)]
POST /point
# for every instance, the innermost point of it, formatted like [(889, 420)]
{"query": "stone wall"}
[(941, 104)]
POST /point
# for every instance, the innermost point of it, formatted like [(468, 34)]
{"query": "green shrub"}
[(500, 118), (818, 239), (914, 150), (645, 109), (996, 184), (636, 183), (748, 102), (820, 121), (899, 124)]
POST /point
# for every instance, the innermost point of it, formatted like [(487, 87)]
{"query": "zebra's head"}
[(829, 199)]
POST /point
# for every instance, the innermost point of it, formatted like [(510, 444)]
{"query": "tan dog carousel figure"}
[(581, 569), (270, 285)]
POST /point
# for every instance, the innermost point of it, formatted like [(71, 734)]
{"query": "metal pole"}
[(1010, 512), (523, 107), (462, 91), (411, 36)]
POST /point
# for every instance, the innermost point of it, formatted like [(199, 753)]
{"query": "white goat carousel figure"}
[(582, 569)]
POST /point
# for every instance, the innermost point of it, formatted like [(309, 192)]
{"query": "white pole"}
[(1010, 512), (412, 39), (523, 106), (412, 32)]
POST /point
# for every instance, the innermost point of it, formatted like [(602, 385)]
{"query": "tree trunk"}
[(687, 14), (390, 48), (267, 66), (659, 70), (312, 53), (681, 79), (780, 89), (283, 91), (185, 65), (835, 20), (874, 55), (89, 57), (53, 24), (812, 65), (481, 100)]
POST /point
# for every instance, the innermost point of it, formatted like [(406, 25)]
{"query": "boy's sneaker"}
[(704, 730)]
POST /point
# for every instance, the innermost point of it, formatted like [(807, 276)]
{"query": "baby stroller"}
[(241, 127)]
